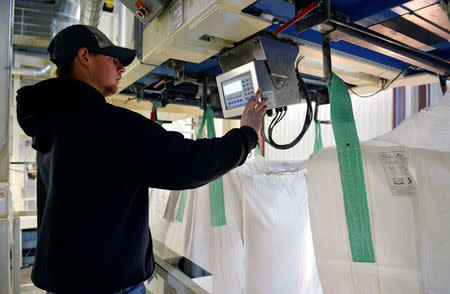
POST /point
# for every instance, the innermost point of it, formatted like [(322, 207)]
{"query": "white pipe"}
[(91, 11), (32, 72), (122, 25)]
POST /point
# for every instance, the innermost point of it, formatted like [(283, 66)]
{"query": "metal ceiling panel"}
[(364, 8), (420, 29), (402, 9), (433, 18)]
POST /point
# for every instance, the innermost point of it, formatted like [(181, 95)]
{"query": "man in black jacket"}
[(96, 162)]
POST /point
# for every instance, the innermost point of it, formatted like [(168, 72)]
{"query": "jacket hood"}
[(40, 105)]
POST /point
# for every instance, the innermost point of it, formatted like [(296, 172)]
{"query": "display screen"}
[(232, 88), (238, 90)]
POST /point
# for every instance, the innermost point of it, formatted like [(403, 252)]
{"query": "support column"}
[(5, 274), (6, 18)]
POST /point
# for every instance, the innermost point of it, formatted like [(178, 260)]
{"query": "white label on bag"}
[(395, 165), (176, 16)]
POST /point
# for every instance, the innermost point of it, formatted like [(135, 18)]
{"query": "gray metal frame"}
[(173, 276)]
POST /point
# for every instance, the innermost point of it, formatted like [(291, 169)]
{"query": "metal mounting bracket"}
[(139, 90), (138, 37)]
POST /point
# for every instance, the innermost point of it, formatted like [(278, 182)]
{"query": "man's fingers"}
[(256, 98), (260, 105), (258, 95), (257, 103), (254, 111)]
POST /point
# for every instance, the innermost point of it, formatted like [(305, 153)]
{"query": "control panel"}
[(235, 89), (238, 90)]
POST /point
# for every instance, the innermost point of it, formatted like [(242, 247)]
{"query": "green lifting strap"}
[(181, 206), (352, 173), (216, 196), (215, 187), (318, 139), (183, 197), (257, 150)]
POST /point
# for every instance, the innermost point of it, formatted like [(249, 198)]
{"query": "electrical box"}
[(271, 68), (146, 10), (194, 30)]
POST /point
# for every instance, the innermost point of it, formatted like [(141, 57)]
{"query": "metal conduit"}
[(91, 11)]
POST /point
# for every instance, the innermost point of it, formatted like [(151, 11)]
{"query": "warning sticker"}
[(395, 165), (271, 97), (176, 16)]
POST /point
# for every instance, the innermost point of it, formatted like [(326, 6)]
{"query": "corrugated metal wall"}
[(373, 118)]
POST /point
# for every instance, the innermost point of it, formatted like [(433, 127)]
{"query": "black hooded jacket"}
[(95, 164)]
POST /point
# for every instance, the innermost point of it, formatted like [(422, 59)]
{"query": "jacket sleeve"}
[(166, 160)]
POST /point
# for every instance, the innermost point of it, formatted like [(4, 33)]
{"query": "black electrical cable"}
[(275, 121), (271, 125), (281, 113), (383, 87)]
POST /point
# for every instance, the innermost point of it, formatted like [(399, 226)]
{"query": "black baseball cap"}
[(68, 41)]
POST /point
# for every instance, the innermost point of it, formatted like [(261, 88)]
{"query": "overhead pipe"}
[(65, 13), (32, 72), (122, 25), (91, 11)]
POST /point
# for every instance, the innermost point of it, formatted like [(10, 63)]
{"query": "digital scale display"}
[(238, 90)]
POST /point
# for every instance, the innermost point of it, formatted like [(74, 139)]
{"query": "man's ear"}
[(83, 56)]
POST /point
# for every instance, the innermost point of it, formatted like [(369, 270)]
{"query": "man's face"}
[(106, 73)]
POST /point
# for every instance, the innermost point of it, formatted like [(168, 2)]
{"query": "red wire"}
[(162, 82), (297, 17)]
